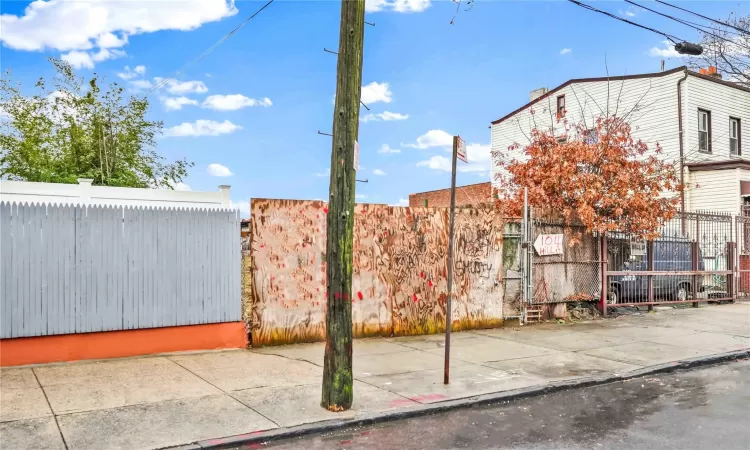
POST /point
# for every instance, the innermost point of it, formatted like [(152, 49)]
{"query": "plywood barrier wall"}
[(399, 282)]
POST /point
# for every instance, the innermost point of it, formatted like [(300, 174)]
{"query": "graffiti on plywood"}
[(288, 251), (399, 283)]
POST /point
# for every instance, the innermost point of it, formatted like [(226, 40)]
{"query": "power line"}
[(686, 23), (741, 30), (163, 82), (672, 38)]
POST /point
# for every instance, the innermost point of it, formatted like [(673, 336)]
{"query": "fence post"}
[(695, 249), (605, 280), (731, 252), (85, 190), (650, 268), (224, 193)]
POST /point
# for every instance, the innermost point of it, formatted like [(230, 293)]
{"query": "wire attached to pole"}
[(672, 38), (741, 30), (686, 23), (163, 82)]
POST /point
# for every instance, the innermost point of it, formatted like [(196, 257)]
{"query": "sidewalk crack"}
[(228, 394), (54, 415)]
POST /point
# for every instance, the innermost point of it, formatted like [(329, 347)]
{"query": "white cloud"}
[(375, 5), (402, 202), (436, 163), (104, 54), (376, 92), (477, 154), (110, 40), (630, 12), (217, 170), (180, 186), (141, 84), (433, 138), (128, 74), (386, 149), (385, 116), (175, 103), (378, 172), (85, 25), (202, 128), (78, 59), (233, 102), (324, 173), (401, 6), (182, 87), (243, 207), (360, 196), (565, 51), (667, 52)]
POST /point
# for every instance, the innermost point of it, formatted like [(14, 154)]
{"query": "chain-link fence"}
[(573, 271)]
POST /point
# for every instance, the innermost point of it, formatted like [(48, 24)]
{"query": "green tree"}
[(78, 130)]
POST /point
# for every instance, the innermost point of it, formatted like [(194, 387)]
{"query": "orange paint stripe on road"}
[(118, 344)]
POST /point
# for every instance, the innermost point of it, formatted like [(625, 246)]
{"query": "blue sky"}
[(253, 107)]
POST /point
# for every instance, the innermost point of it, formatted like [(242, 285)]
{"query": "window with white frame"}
[(704, 131), (734, 136), (591, 136)]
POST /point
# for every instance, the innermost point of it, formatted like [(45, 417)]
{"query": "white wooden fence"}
[(76, 269)]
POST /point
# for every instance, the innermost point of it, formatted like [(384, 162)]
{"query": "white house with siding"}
[(698, 119)]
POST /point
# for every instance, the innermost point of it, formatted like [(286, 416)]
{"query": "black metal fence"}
[(692, 260)]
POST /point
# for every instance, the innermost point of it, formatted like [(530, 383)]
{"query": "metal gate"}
[(743, 254), (691, 260)]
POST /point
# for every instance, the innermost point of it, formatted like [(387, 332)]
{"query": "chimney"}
[(662, 65), (713, 72), (536, 93)]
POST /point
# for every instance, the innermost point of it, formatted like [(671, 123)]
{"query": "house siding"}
[(650, 102), (723, 102), (714, 191), (654, 120)]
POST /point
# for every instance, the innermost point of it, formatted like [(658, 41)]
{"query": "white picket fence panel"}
[(79, 269)]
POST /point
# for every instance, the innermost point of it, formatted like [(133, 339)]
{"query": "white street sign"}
[(461, 150), (356, 156), (637, 248), (549, 244)]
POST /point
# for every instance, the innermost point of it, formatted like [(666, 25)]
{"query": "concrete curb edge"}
[(437, 407)]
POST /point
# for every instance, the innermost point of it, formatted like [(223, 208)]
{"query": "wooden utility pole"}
[(337, 363)]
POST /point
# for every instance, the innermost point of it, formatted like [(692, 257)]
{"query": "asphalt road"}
[(700, 409)]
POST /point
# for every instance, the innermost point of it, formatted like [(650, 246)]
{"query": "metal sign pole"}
[(446, 373)]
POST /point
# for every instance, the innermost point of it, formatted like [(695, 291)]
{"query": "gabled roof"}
[(623, 77)]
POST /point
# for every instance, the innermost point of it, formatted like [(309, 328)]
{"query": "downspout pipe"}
[(682, 149)]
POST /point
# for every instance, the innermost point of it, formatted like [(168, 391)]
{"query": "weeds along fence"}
[(77, 269)]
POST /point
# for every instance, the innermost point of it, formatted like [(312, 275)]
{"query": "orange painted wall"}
[(118, 344)]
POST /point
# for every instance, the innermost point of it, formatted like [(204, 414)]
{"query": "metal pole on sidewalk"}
[(446, 372)]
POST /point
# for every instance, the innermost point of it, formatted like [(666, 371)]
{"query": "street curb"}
[(432, 408)]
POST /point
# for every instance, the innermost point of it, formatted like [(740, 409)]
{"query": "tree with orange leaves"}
[(600, 177)]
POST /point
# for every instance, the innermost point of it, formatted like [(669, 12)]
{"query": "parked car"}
[(669, 256)]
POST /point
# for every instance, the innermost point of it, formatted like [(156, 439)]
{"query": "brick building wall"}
[(471, 194)]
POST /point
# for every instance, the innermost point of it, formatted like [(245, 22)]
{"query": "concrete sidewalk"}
[(161, 401)]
